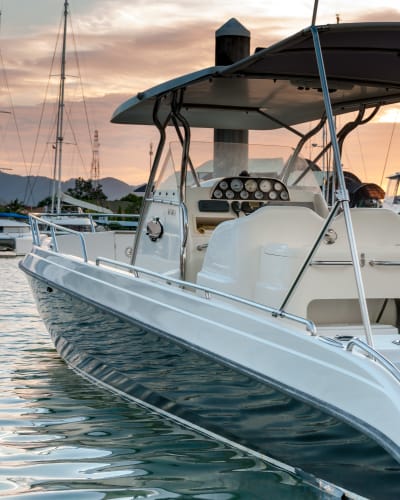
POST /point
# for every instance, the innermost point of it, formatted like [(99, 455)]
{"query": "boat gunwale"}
[(388, 444)]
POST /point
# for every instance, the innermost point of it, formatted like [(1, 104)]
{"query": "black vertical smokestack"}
[(232, 43)]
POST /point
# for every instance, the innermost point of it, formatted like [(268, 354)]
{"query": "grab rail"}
[(372, 262), (310, 326), (375, 262), (35, 221), (331, 263), (388, 365)]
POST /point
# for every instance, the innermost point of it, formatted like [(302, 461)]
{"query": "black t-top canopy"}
[(280, 84)]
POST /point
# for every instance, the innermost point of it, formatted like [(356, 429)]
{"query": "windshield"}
[(211, 161)]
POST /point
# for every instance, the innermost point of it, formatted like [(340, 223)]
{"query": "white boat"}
[(15, 234), (253, 309)]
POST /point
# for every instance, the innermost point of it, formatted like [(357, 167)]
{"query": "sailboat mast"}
[(60, 120)]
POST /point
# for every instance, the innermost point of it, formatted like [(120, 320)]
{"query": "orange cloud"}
[(127, 47)]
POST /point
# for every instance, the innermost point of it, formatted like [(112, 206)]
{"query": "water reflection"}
[(63, 438)]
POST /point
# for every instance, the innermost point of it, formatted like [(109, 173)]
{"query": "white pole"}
[(60, 120), (342, 194)]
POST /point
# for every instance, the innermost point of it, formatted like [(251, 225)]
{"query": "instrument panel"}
[(250, 188)]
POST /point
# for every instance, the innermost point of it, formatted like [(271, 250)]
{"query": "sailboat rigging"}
[(60, 122), (62, 114), (76, 221)]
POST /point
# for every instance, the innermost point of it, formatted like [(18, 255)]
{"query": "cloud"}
[(378, 15), (114, 63), (125, 47)]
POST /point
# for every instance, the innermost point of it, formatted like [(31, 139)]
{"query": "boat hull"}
[(141, 362)]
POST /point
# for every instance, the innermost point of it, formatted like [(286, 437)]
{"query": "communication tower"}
[(95, 167)]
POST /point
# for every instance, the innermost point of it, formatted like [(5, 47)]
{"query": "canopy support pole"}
[(161, 129), (342, 193), (185, 161)]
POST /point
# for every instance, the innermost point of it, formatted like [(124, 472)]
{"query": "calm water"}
[(63, 438)]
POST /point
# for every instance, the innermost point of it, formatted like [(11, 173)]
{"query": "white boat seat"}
[(233, 259)]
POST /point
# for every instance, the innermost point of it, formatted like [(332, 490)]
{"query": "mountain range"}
[(31, 190)]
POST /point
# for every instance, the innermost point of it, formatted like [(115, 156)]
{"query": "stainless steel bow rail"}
[(56, 229), (35, 222)]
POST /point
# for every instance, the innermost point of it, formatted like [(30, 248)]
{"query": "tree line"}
[(84, 190)]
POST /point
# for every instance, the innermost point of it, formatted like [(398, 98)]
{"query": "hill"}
[(31, 190)]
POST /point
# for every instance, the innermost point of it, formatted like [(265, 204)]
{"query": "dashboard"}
[(250, 189)]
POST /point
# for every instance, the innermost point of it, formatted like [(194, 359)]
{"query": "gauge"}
[(258, 195), (284, 195), (278, 186), (273, 195), (223, 185), (236, 185), (251, 185), (244, 194), (265, 185), (230, 194), (218, 194)]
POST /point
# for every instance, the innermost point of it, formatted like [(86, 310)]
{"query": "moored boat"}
[(15, 234), (255, 307)]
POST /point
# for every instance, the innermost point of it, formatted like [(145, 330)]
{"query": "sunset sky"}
[(126, 46)]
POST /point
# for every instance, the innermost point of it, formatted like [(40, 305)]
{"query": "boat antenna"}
[(60, 121), (314, 16)]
